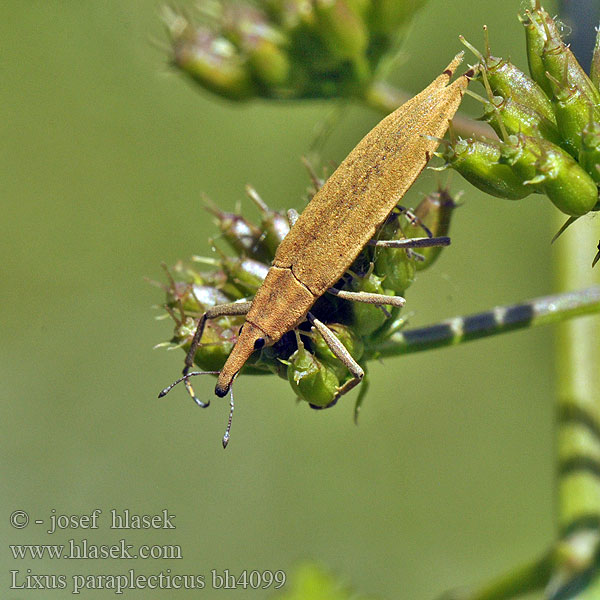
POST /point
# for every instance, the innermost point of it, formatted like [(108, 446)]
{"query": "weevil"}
[(339, 221)]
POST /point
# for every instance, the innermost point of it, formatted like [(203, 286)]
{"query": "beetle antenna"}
[(228, 430), (190, 390)]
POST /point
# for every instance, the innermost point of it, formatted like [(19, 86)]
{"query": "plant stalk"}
[(578, 390), (502, 319)]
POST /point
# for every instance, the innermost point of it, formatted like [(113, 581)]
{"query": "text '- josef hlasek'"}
[(114, 519)]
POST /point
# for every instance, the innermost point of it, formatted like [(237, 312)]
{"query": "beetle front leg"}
[(341, 353), (221, 310)]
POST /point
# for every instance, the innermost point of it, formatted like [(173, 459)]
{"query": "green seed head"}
[(283, 49), (311, 380)]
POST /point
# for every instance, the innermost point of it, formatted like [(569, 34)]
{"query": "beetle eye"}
[(259, 343)]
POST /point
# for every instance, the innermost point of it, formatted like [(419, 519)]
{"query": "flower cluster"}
[(287, 48), (302, 357), (548, 124)]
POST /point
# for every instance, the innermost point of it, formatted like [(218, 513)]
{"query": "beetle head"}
[(251, 338)]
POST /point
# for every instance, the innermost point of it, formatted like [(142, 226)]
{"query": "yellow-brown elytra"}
[(339, 221)]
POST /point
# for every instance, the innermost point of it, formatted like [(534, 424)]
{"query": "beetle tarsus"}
[(332, 403)]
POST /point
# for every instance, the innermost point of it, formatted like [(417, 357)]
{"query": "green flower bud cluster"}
[(287, 48), (302, 357), (548, 124)]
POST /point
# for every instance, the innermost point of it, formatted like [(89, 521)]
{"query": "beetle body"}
[(344, 215)]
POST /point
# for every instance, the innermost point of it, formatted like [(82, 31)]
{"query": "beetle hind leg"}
[(342, 354)]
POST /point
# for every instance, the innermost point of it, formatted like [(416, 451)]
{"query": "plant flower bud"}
[(341, 29), (521, 153), (548, 54), (595, 66), (273, 224), (395, 266), (519, 118), (435, 212), (367, 318), (245, 273), (567, 185), (244, 237), (349, 339), (478, 162), (249, 28), (589, 157), (209, 59), (192, 297), (217, 341), (572, 109), (508, 81)]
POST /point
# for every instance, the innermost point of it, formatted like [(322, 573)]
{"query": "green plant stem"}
[(385, 98), (578, 390), (502, 319)]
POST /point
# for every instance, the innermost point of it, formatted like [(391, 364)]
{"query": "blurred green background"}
[(447, 480)]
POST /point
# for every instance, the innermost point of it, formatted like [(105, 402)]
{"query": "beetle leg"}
[(292, 215), (369, 298), (341, 353), (423, 242), (214, 312), (597, 258), (364, 388)]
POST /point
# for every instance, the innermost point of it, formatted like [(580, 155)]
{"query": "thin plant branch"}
[(527, 578), (502, 319)]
